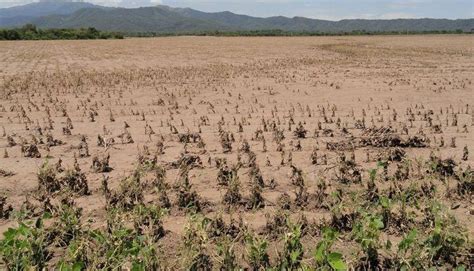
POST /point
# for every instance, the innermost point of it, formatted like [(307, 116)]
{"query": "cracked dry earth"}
[(308, 116)]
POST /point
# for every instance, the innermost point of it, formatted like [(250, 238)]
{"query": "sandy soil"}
[(176, 83)]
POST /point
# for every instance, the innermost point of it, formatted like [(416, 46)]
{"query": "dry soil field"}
[(223, 153)]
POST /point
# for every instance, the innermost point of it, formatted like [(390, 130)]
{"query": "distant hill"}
[(19, 15), (244, 22), (164, 19), (149, 19)]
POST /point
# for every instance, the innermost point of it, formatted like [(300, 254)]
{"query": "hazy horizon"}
[(320, 9)]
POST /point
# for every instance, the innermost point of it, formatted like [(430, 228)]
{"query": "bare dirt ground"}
[(308, 115)]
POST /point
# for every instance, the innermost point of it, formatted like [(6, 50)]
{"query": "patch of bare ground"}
[(205, 153)]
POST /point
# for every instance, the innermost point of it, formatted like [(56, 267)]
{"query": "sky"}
[(319, 9)]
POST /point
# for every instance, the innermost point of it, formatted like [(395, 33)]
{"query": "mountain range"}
[(164, 19)]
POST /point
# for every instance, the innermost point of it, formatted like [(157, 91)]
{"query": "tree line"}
[(283, 33), (31, 32)]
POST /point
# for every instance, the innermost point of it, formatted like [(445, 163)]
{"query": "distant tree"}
[(31, 32)]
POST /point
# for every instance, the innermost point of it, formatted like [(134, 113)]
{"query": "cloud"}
[(121, 3), (127, 3), (397, 15)]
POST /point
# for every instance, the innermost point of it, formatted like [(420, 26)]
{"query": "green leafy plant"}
[(446, 242), (114, 248), (292, 254), (409, 252), (25, 247), (195, 244), (325, 258), (366, 232), (226, 254), (256, 250), (68, 225)]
